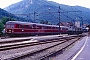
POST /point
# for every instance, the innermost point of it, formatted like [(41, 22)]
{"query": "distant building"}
[(68, 24), (85, 25), (77, 24)]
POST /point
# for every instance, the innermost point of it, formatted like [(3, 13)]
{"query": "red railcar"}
[(27, 28)]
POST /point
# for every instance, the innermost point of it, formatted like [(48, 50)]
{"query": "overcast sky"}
[(5, 3), (84, 3)]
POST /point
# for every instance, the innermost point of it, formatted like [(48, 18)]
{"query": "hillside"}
[(4, 13), (41, 7)]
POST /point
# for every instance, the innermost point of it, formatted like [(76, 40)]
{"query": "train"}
[(18, 28)]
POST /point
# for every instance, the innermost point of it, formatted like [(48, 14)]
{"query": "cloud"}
[(5, 3), (84, 3)]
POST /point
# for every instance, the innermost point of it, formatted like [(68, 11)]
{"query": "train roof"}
[(29, 23)]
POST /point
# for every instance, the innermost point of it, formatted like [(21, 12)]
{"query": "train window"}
[(19, 26), (64, 29), (53, 27), (45, 27), (12, 26), (27, 26), (37, 27), (56, 27), (34, 25), (7, 26), (30, 26), (42, 27), (22, 26)]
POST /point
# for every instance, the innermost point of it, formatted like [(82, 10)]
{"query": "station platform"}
[(80, 51)]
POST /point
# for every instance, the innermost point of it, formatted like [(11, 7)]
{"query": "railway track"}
[(14, 41), (44, 53), (62, 42), (18, 39), (28, 42)]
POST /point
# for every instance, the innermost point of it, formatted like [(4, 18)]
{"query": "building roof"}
[(66, 24)]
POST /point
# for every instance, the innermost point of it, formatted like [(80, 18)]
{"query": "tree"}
[(3, 22), (1, 27), (44, 22), (5, 19)]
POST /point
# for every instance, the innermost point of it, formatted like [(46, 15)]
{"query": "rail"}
[(64, 40), (20, 45)]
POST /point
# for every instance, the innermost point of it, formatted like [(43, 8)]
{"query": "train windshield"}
[(10, 26)]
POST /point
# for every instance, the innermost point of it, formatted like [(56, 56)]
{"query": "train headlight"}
[(22, 30), (10, 30)]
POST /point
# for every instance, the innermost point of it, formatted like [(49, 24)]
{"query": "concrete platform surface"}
[(81, 51)]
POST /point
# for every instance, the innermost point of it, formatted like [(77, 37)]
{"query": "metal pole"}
[(82, 20), (34, 16), (59, 19)]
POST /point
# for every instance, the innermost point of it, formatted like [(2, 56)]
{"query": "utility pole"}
[(59, 20), (34, 16), (82, 20)]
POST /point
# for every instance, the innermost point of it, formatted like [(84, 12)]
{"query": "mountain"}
[(37, 10), (4, 13)]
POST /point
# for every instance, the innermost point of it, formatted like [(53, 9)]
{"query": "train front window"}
[(12, 26), (9, 26)]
